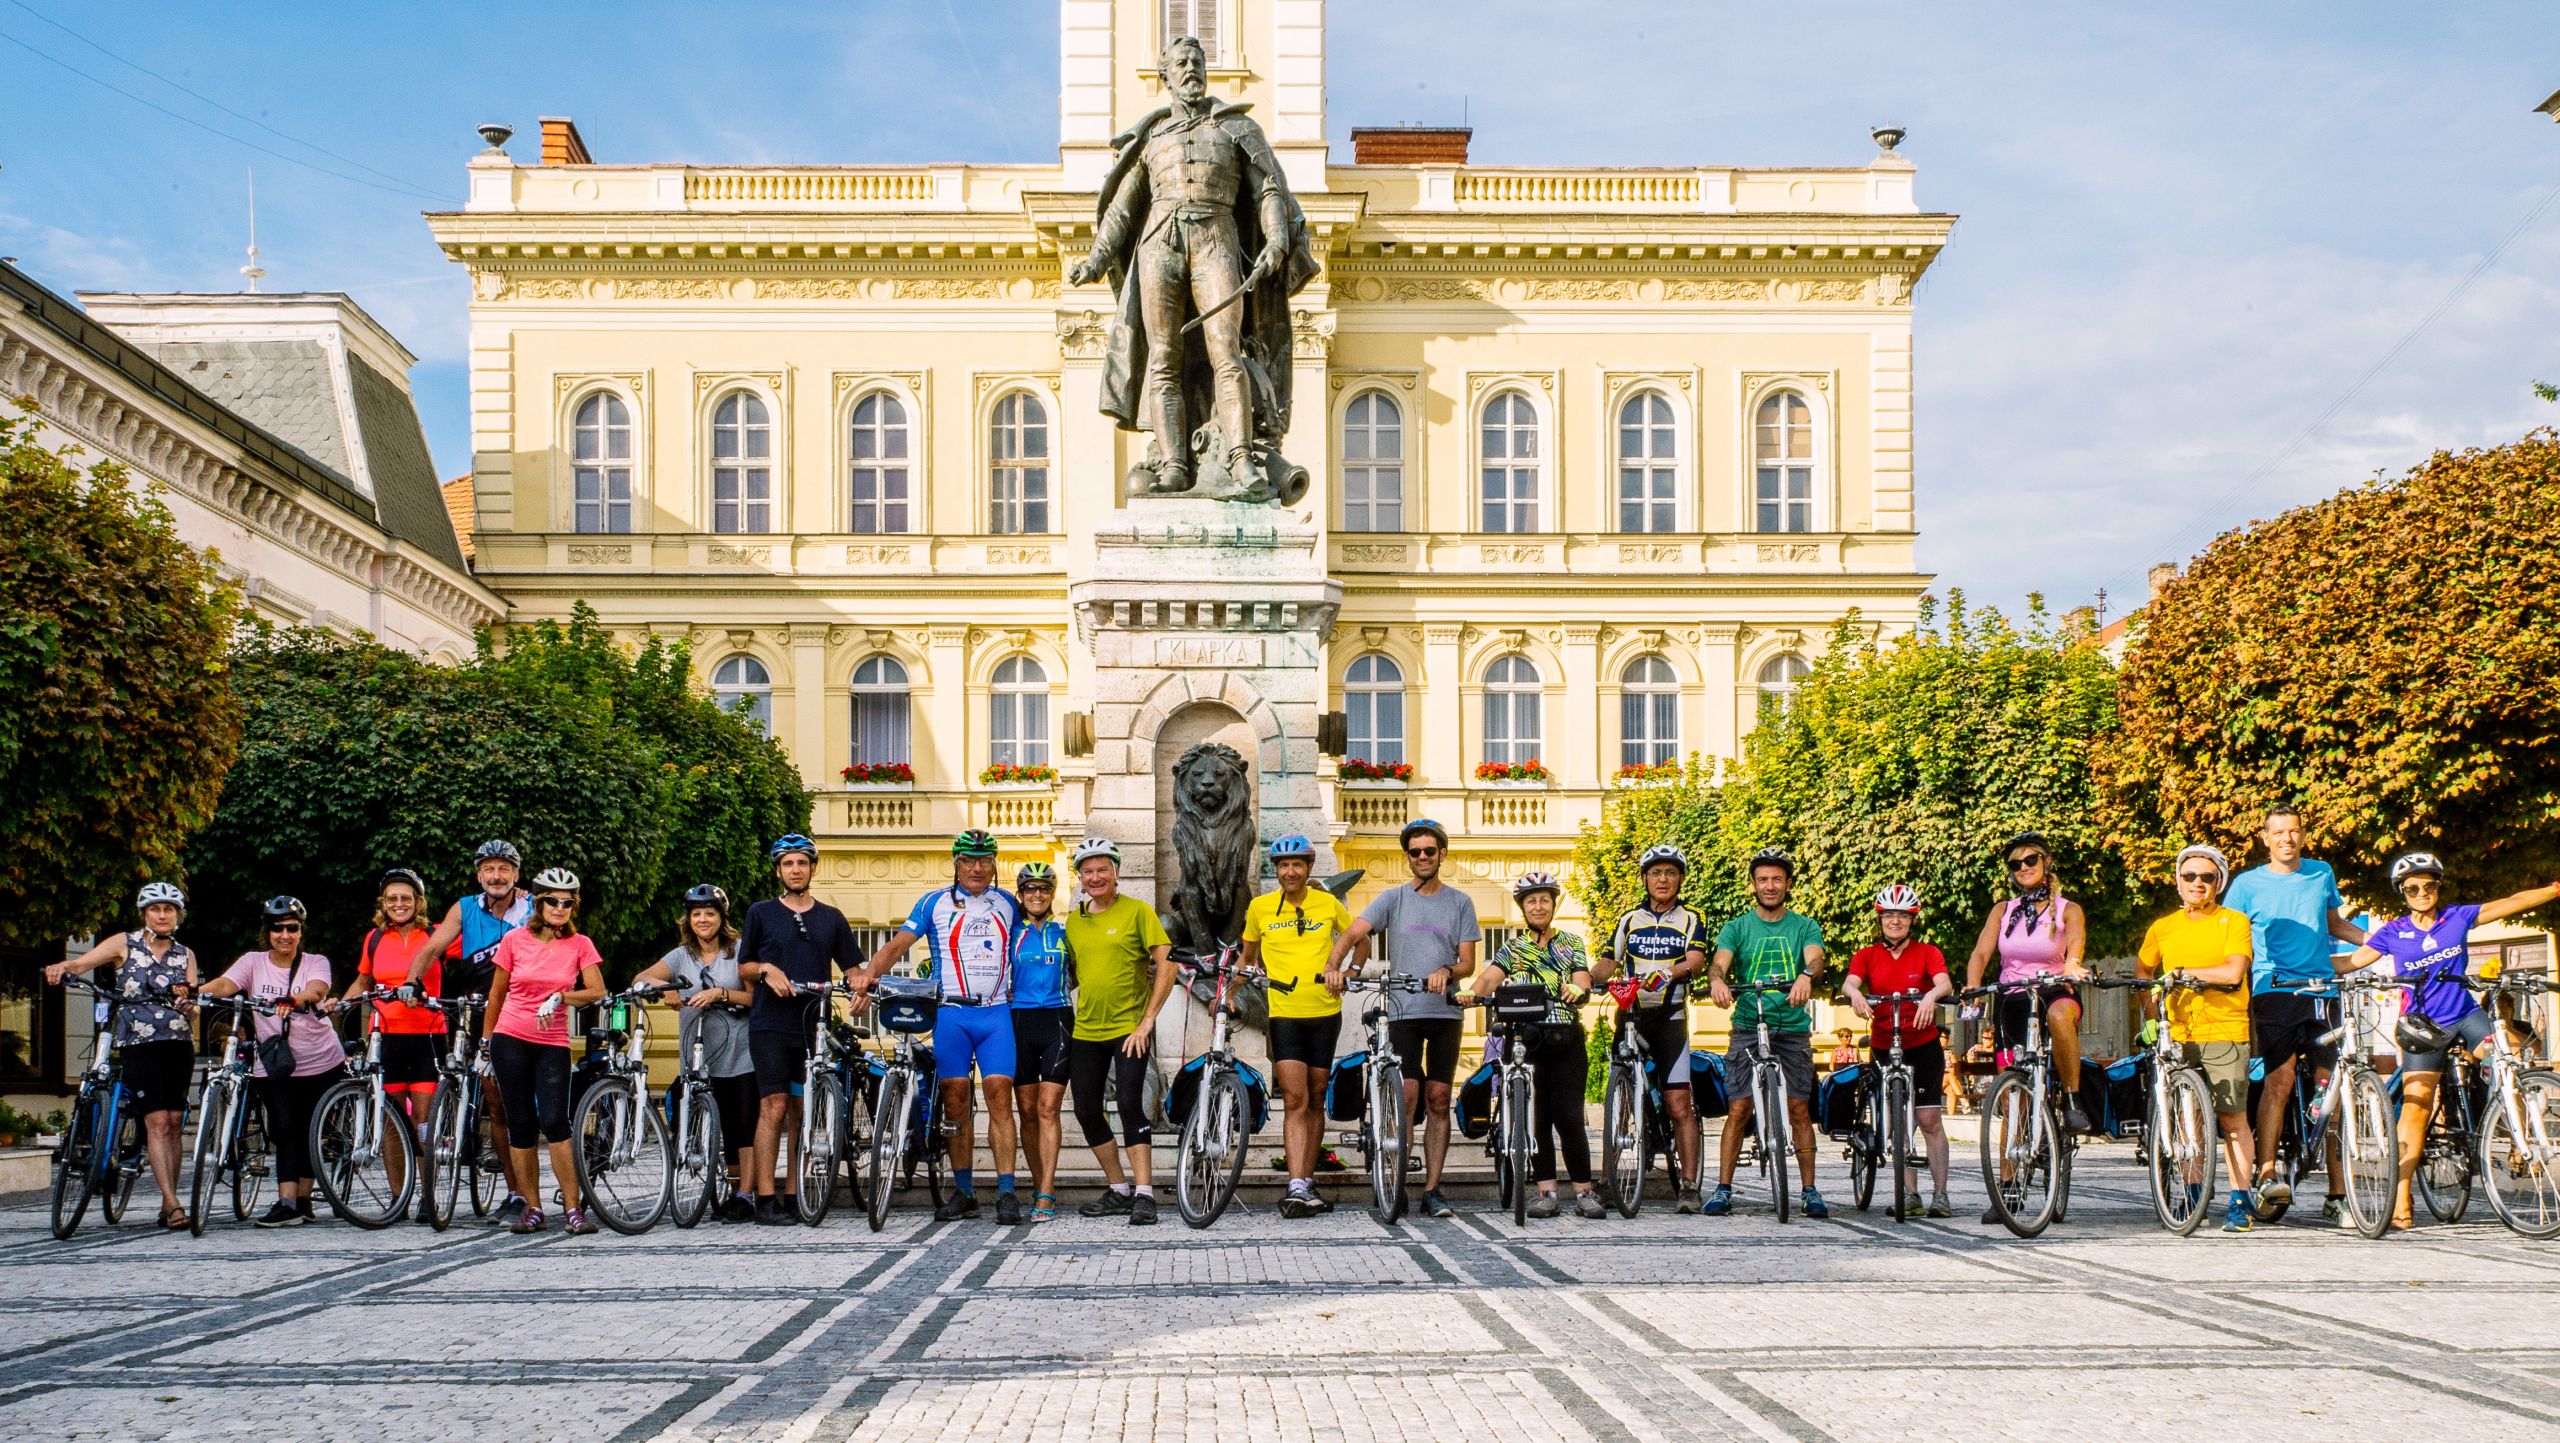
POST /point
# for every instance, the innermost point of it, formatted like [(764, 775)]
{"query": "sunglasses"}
[(1422, 851), (2198, 877), (2429, 883), (800, 924), (286, 927), (2031, 859), (559, 901)]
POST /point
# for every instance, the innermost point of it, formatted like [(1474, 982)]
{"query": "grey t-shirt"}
[(724, 1033), (1423, 934)]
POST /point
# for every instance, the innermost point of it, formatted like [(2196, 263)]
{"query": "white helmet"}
[(1092, 847), (2221, 864), (1662, 852), (555, 879), (1897, 898), (160, 892), (2416, 864), (1534, 880)]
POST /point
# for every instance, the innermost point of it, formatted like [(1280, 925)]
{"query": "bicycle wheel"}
[(485, 1144), (889, 1140), (1390, 1135), (1211, 1160), (1897, 1140), (2184, 1152), (213, 1117), (698, 1164), (1622, 1159), (2520, 1155), (443, 1157), (925, 1144), (127, 1167), (822, 1138), (2019, 1164), (2369, 1150), (75, 1169), (624, 1175), (1517, 1124), (252, 1162), (2443, 1179), (1866, 1147), (354, 1145), (1775, 1134)]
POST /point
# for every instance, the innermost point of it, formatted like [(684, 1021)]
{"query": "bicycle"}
[(224, 1120), (1635, 1127), (626, 1170), (357, 1128), (700, 1153), (1385, 1137), (2519, 1153), (1215, 1128), (1516, 1010), (2178, 1136), (1888, 1118), (2026, 1151), (458, 1141), (2369, 1150), (1772, 1130), (101, 1156), (906, 1109)]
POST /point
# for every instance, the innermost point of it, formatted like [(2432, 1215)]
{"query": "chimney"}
[(561, 143), (1410, 145), (2161, 575)]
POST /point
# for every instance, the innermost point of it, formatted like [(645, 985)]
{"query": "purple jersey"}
[(2432, 960)]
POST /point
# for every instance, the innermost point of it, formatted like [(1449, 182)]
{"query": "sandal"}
[(1044, 1207), (174, 1219)]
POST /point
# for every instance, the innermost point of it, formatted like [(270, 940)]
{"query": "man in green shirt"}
[(1768, 946), (1118, 948)]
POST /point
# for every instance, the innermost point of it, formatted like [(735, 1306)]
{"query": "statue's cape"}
[(1266, 311)]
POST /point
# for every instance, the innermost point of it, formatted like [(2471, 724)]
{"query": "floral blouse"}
[(141, 972)]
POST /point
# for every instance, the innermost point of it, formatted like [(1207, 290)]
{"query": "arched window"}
[(1373, 704), (1197, 19), (1782, 453), (1510, 455), (1779, 676), (745, 677), (1018, 461), (1648, 464), (880, 485), (741, 464), (600, 464), (1018, 714), (880, 711), (1373, 463), (1512, 711), (1649, 713)]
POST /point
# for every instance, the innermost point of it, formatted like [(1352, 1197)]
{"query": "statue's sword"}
[(1252, 278)]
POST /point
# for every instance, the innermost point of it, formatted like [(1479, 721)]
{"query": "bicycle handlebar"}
[(2032, 984), (128, 999), (1387, 982), (2167, 982)]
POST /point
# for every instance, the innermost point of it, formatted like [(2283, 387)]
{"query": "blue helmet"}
[(1292, 845), (788, 843)]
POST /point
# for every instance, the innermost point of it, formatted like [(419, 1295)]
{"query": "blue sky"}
[(2190, 234)]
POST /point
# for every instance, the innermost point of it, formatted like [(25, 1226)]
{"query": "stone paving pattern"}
[(1330, 1330)]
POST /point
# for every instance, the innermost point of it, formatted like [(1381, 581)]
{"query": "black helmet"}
[(283, 909), (2036, 840), (1423, 826), (704, 894), (1773, 857), (416, 883)]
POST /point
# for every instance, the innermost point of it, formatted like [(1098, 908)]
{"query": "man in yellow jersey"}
[(1291, 933)]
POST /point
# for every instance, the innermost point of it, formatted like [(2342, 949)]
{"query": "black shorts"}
[(2009, 1013), (781, 1059), (735, 1098), (1426, 1048), (1306, 1039), (1666, 1047), (409, 1058), (1040, 1043), (1928, 1064), (2287, 1025), (157, 1074)]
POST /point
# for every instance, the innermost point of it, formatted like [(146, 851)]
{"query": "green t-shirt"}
[(1113, 979), (1768, 952)]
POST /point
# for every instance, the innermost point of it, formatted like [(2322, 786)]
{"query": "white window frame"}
[(727, 688), (906, 467), (1402, 466), (988, 516), (1510, 700), (1814, 393), (775, 512), (1541, 506), (1361, 694), (880, 688), (1654, 739), (630, 427), (1018, 712), (1664, 472), (1777, 680), (1177, 18)]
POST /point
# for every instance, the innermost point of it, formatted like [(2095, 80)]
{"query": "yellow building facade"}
[(1600, 454)]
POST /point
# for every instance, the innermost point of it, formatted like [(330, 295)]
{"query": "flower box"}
[(879, 775), (1373, 784), (1515, 784), (1020, 778), (1532, 771), (878, 787), (1361, 769)]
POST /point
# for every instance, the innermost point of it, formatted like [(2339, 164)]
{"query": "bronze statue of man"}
[(1198, 232)]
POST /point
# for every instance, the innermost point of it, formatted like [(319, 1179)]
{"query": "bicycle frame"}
[(1390, 1132), (629, 1058)]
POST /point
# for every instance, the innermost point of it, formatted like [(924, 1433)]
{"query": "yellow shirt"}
[(1296, 942), (2184, 942)]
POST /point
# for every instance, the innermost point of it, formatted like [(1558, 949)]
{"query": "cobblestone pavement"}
[(1330, 1330)]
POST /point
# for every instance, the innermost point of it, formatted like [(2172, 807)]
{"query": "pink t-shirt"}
[(536, 969), (2026, 952), (316, 1048)]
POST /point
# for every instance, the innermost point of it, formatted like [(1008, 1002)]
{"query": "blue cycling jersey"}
[(968, 939), (1040, 964)]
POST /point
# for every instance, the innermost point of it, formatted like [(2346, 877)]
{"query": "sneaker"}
[(1318, 1201), (957, 1206), (1434, 1205), (2334, 1212), (2075, 1118), (1688, 1203), (508, 1212), (1142, 1211), (578, 1226), (1008, 1210), (528, 1221), (1991, 1217), (1111, 1204), (1938, 1207), (1913, 1207), (738, 1209), (283, 1215), (1588, 1205), (2240, 1217), (771, 1213), (1546, 1205), (1296, 1204), (2274, 1192), (1813, 1205), (1719, 1202)]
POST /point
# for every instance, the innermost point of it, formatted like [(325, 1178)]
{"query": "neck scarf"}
[(2031, 901)]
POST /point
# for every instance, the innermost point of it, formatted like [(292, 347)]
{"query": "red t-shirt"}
[(384, 961), (1880, 971)]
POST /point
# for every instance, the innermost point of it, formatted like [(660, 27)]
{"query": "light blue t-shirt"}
[(1040, 964), (2288, 922)]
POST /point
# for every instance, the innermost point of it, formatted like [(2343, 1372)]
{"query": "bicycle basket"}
[(907, 1011), (1520, 1002)]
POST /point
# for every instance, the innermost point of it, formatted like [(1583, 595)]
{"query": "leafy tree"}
[(118, 724), (2383, 659)]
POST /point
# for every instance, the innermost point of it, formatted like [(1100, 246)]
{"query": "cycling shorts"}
[(1426, 1048), (2009, 1014), (1305, 1039), (409, 1060), (1040, 1037), (2469, 1033), (2288, 1025), (963, 1036), (1928, 1064), (1666, 1047)]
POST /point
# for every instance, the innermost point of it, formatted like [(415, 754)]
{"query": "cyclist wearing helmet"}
[(1900, 964), (1119, 947), (155, 1043), (297, 984), (1662, 945), (2209, 943), (409, 1033), (1290, 933), (787, 940), (1769, 944), (543, 971), (712, 1001), (1044, 1020), (1560, 1065), (464, 945), (1431, 934), (2429, 947), (968, 929), (2036, 933), (2294, 911)]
